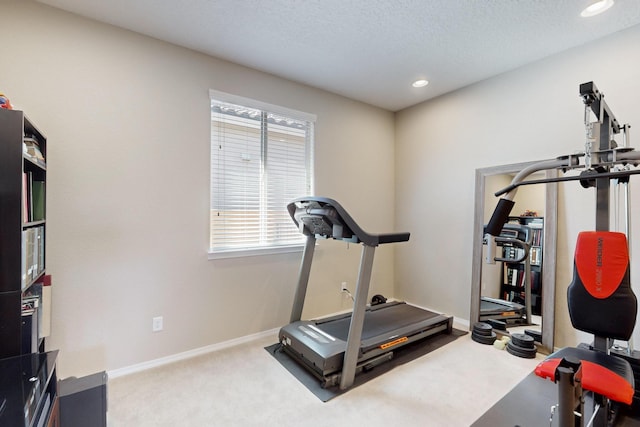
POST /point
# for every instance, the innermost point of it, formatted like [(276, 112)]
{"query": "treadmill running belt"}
[(497, 306), (490, 305), (379, 321)]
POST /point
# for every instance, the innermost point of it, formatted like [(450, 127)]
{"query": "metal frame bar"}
[(303, 278), (352, 352), (569, 397)]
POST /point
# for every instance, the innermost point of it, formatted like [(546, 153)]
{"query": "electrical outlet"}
[(157, 324), (343, 286)]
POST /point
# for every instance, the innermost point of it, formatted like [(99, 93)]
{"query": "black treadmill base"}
[(508, 312), (380, 320), (405, 354), (321, 344)]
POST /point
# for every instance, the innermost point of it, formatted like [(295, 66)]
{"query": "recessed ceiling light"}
[(420, 83), (596, 8)]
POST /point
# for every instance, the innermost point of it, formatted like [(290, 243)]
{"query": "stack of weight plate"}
[(522, 345), (483, 333)]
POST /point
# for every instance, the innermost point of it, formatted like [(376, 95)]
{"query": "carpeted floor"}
[(450, 386)]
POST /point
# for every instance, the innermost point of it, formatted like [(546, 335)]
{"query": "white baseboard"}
[(462, 324), (128, 370)]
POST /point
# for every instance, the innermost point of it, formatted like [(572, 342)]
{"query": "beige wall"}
[(127, 121), (528, 114)]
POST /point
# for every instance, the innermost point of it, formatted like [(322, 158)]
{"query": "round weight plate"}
[(523, 349), (497, 324), (520, 352), (484, 339), (523, 340), (482, 328)]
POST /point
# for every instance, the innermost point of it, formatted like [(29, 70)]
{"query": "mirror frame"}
[(549, 251)]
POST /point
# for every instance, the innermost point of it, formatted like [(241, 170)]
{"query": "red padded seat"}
[(607, 375)]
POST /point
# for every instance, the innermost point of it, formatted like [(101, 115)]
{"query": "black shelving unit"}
[(512, 278), (23, 179)]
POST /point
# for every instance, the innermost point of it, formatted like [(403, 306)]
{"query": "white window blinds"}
[(261, 159)]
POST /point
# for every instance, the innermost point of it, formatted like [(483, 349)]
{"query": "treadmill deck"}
[(493, 308), (320, 344)]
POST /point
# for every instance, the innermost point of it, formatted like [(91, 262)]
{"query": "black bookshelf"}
[(512, 277), (23, 176)]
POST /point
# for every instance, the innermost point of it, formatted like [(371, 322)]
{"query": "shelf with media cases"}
[(33, 239)]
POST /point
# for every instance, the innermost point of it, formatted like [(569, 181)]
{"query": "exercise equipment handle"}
[(393, 237), (325, 218), (501, 214)]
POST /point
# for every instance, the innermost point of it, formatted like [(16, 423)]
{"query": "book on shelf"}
[(33, 198), (535, 255), (25, 197), (37, 199), (536, 237)]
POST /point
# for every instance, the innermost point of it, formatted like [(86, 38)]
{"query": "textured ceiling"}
[(368, 50)]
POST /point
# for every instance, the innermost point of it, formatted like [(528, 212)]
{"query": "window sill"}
[(241, 253)]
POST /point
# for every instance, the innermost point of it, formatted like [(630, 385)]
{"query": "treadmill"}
[(510, 312), (335, 349)]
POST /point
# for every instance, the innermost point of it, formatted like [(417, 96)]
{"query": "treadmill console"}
[(511, 232), (325, 218), (322, 221)]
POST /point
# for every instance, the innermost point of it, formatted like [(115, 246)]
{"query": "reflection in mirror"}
[(510, 290), (498, 289)]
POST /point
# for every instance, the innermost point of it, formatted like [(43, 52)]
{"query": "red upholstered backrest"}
[(602, 259), (600, 297)]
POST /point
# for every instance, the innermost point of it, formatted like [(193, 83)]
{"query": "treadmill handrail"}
[(323, 207), (513, 235)]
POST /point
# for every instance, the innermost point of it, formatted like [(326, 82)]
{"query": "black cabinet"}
[(23, 176), (28, 390), (83, 401)]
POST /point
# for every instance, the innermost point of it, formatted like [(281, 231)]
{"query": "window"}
[(261, 159)]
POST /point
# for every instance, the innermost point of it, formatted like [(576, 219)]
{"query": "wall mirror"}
[(495, 280)]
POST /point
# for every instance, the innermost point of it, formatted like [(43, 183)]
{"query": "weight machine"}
[(582, 395)]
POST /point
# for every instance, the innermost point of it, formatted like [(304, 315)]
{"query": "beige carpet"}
[(245, 386)]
